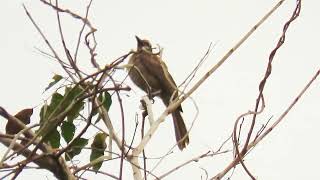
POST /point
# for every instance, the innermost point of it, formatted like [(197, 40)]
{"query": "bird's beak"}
[(139, 41)]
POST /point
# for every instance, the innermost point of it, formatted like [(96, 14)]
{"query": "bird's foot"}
[(153, 94)]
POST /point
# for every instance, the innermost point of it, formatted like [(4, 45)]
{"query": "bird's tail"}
[(180, 130)]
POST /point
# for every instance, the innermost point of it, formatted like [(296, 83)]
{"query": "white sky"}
[(185, 29)]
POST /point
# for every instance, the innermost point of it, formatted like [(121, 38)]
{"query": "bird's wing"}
[(155, 66)]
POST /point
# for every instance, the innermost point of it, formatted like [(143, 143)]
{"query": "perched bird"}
[(24, 116), (150, 73)]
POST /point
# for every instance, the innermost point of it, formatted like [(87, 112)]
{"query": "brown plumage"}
[(24, 116), (151, 74)]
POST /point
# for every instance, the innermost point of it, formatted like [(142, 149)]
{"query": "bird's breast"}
[(142, 75)]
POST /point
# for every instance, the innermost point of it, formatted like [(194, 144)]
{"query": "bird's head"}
[(143, 44)]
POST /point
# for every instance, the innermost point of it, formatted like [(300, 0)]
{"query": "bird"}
[(24, 116), (149, 72)]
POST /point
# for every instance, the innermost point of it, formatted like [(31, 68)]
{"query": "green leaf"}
[(44, 112), (67, 131), (56, 78), (47, 110), (106, 100), (76, 148), (95, 111), (98, 147), (56, 99), (71, 94), (54, 139), (75, 111)]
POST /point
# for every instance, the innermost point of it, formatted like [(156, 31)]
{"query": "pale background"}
[(185, 29)]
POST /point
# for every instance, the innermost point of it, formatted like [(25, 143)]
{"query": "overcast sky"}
[(185, 28)]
